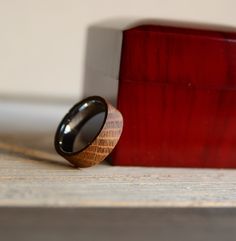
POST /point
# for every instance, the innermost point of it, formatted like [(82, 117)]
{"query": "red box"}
[(177, 94)]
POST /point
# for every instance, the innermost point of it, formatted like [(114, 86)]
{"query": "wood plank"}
[(33, 175)]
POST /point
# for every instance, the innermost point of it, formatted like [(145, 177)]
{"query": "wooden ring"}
[(100, 143)]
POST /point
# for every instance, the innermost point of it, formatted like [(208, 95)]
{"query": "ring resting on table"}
[(89, 132)]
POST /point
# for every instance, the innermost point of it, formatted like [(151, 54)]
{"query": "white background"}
[(53, 52), (64, 49)]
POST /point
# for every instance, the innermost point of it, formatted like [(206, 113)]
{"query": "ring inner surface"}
[(82, 126)]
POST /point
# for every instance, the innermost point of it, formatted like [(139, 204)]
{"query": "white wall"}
[(70, 48)]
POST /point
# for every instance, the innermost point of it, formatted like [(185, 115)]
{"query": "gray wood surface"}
[(33, 175), (43, 198)]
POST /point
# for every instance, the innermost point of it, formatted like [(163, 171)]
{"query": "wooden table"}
[(43, 198)]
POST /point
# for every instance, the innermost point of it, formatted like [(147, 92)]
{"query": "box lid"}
[(196, 58)]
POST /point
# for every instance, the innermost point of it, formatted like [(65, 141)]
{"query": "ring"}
[(89, 132)]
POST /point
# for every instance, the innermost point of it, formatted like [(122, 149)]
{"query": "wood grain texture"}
[(104, 143), (177, 94), (36, 176)]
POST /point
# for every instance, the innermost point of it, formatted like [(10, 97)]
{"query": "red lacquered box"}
[(177, 94)]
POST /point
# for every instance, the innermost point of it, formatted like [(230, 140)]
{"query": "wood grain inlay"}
[(104, 143)]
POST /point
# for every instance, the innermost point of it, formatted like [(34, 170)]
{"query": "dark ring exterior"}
[(103, 144)]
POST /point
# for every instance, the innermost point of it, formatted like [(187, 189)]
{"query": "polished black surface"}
[(81, 125)]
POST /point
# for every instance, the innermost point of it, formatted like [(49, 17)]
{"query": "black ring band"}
[(87, 108)]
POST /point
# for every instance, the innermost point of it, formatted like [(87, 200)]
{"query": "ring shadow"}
[(43, 154)]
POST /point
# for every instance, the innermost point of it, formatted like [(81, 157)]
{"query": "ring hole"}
[(88, 131)]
